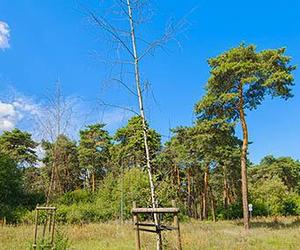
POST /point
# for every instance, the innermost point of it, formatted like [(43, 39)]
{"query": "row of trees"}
[(199, 166), (205, 165)]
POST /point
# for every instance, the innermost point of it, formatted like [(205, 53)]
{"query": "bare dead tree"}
[(142, 113), (120, 24), (55, 119)]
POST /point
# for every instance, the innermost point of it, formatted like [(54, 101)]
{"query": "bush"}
[(77, 196), (271, 197), (12, 214), (112, 201), (292, 204), (116, 195), (233, 211)]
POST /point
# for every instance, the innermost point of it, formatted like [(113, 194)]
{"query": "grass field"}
[(283, 233)]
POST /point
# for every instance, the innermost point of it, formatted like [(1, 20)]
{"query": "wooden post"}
[(136, 227), (50, 221), (176, 224), (35, 228), (53, 226), (158, 232)]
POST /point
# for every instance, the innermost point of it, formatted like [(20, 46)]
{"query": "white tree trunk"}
[(142, 113)]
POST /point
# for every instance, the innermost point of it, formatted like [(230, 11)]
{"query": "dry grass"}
[(282, 233)]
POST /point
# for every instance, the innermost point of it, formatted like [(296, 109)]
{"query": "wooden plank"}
[(46, 208), (155, 210), (146, 224)]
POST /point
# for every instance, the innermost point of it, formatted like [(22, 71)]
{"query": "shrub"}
[(112, 201), (77, 196), (233, 211), (271, 197)]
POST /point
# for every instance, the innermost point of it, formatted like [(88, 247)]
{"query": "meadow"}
[(266, 233)]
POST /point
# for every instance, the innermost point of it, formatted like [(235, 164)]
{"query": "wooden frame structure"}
[(148, 227), (51, 211)]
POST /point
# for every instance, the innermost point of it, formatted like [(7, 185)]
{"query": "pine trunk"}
[(200, 206), (205, 194), (178, 180), (189, 191), (225, 189), (213, 206), (244, 160)]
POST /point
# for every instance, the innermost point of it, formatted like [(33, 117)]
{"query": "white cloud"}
[(18, 110), (4, 35), (11, 113), (8, 116), (26, 106)]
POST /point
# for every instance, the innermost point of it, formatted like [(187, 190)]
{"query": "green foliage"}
[(10, 180), (11, 194), (233, 211), (19, 146), (240, 79), (268, 194), (75, 197), (94, 150), (131, 186), (62, 155), (61, 242), (271, 197), (35, 184), (130, 148), (15, 201), (243, 73), (112, 201), (284, 168), (274, 186)]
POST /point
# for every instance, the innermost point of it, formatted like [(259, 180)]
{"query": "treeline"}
[(98, 177), (204, 166)]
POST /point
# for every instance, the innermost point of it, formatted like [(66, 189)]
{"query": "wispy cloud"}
[(16, 111), (25, 112), (8, 116), (4, 35), (115, 117)]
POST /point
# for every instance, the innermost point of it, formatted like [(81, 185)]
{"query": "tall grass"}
[(266, 233)]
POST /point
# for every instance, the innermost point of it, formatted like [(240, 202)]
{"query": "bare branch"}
[(125, 85), (110, 29), (119, 107)]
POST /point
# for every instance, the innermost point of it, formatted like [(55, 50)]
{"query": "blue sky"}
[(54, 39)]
